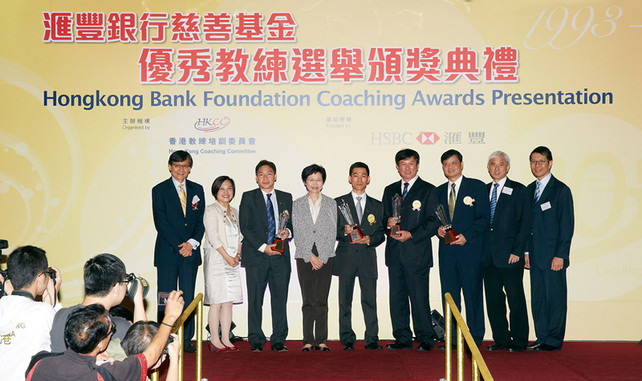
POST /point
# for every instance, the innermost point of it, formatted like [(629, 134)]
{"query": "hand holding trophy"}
[(396, 214), (451, 234), (279, 244), (356, 233)]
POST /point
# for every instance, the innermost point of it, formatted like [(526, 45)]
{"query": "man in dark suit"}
[(178, 205), (548, 251), (460, 262), (264, 266), (358, 258), (505, 242), (409, 253)]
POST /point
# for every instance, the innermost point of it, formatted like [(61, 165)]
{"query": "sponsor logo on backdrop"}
[(212, 124), (427, 138)]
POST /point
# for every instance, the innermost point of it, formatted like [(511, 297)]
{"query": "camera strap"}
[(26, 294)]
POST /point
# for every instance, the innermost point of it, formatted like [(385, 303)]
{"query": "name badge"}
[(507, 190), (546, 206)]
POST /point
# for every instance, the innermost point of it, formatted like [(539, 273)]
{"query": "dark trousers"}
[(549, 305), (368, 288), (315, 287), (183, 276), (504, 284), (410, 285), (467, 278), (276, 275)]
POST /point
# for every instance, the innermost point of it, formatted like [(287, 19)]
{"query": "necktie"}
[(359, 210), (405, 190), (271, 223), (451, 202), (183, 197), (493, 202), (537, 190)]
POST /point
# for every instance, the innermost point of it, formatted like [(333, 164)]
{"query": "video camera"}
[(132, 285)]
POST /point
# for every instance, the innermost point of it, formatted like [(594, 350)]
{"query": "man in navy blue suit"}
[(178, 205), (548, 251), (409, 253), (505, 242), (461, 262)]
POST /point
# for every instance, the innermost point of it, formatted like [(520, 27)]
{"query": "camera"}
[(132, 285), (5, 276), (170, 340)]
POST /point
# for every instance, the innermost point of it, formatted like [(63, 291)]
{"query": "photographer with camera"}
[(106, 283), (87, 334), (140, 336), (25, 322)]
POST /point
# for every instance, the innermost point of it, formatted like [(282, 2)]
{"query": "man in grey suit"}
[(359, 258), (264, 266), (504, 243)]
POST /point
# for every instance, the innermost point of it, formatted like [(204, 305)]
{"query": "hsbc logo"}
[(427, 138)]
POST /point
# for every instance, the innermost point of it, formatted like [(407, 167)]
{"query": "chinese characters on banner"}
[(163, 65)]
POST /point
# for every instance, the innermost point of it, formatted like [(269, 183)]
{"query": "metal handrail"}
[(196, 304), (463, 333)]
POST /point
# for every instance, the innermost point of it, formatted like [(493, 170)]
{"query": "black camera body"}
[(132, 286)]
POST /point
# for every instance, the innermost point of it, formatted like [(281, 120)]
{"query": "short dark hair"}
[(179, 156), (25, 264), (102, 273), (406, 153), (262, 163), (122, 312), (312, 169), (86, 328), (218, 182), (451, 152), (544, 151), (359, 164), (138, 337)]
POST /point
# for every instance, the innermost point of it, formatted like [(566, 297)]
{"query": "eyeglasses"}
[(183, 166), (538, 162)]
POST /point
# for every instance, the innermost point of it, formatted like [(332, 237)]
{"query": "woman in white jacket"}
[(222, 254)]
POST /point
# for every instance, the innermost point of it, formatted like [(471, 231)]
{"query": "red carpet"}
[(576, 361)]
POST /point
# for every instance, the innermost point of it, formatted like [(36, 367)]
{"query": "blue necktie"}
[(537, 190), (271, 223), (405, 190), (493, 202)]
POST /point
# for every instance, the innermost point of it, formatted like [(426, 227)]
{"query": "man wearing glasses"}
[(25, 322), (547, 252), (178, 206)]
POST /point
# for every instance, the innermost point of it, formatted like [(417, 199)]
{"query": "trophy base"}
[(279, 245), (394, 230), (356, 234), (450, 236)]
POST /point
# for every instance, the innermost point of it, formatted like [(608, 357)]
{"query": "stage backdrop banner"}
[(96, 95)]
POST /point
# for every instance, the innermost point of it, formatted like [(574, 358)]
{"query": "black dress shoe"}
[(442, 348), (306, 349), (279, 347), (373, 346), (547, 348), (515, 348), (533, 346), (496, 347), (397, 345), (257, 348), (424, 347), (348, 347), (323, 349), (189, 348)]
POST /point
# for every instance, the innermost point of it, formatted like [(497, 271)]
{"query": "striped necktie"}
[(451, 202), (183, 197), (271, 222), (493, 202)]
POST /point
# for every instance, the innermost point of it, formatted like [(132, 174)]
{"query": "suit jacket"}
[(322, 233), (418, 217), (553, 224), (254, 226), (173, 228), (510, 230), (215, 235), (469, 220), (359, 257)]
